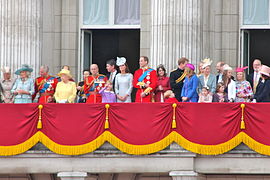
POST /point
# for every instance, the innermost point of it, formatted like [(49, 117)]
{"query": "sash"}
[(46, 85), (181, 77), (141, 78)]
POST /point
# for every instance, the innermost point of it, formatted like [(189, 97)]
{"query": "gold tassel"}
[(39, 124), (242, 126), (174, 121), (107, 125)]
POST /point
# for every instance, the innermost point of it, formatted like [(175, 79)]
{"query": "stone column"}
[(176, 31), (72, 175), (186, 175), (20, 25)]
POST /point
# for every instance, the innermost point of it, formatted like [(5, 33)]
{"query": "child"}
[(170, 97), (205, 96), (220, 95), (108, 96)]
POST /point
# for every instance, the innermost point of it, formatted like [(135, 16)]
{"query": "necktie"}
[(255, 82)]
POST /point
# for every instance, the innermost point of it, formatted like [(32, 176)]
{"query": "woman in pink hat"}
[(263, 88), (243, 88), (189, 90)]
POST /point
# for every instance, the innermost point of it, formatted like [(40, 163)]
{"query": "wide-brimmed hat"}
[(226, 67), (24, 67), (206, 62), (265, 70), (6, 69), (191, 66), (241, 69), (120, 61), (66, 72)]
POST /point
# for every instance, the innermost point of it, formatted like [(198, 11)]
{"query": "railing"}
[(134, 128)]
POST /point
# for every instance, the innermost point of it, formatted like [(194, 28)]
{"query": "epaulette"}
[(173, 70)]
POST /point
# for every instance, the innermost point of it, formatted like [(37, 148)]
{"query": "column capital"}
[(72, 175)]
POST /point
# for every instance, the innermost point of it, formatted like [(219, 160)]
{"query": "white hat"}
[(120, 61), (6, 69), (227, 67), (206, 62)]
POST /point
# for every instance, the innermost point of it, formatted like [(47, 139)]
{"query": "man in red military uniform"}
[(145, 81), (45, 85), (93, 84)]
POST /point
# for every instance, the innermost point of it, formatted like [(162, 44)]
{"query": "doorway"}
[(102, 45), (255, 45)]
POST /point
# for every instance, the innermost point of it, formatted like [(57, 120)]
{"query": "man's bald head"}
[(94, 69)]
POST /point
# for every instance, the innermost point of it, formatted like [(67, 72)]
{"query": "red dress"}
[(92, 86), (171, 100), (150, 79), (45, 87), (165, 83)]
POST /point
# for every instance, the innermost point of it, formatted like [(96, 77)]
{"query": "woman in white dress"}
[(123, 81)]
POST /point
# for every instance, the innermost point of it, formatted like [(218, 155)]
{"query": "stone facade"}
[(194, 29)]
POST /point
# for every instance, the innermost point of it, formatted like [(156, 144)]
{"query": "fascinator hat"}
[(6, 70), (190, 66), (241, 69), (206, 62), (226, 67), (24, 67), (265, 70), (120, 61)]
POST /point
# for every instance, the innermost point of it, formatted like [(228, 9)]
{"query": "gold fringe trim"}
[(19, 148), (136, 149), (72, 150), (256, 146), (209, 149)]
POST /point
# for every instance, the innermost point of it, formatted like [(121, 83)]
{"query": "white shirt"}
[(112, 75), (231, 90)]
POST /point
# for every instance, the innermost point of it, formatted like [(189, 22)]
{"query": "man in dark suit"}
[(219, 68), (177, 78), (254, 78), (111, 68)]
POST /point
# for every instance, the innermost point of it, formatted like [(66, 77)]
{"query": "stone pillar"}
[(72, 175), (186, 175), (20, 25), (176, 31)]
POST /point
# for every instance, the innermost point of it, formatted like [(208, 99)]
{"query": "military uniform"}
[(45, 86), (177, 81), (139, 83), (92, 86)]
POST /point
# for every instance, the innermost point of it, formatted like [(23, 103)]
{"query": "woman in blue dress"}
[(189, 91), (23, 88)]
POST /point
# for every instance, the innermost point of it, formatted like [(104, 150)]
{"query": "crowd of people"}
[(182, 85)]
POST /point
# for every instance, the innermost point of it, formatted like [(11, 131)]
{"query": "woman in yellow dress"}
[(65, 91)]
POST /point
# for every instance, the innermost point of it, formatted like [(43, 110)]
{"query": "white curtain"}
[(256, 12), (20, 41), (95, 12), (127, 12)]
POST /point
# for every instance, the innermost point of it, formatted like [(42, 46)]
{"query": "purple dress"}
[(107, 96)]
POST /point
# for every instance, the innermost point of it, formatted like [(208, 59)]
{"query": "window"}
[(256, 12), (111, 12)]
